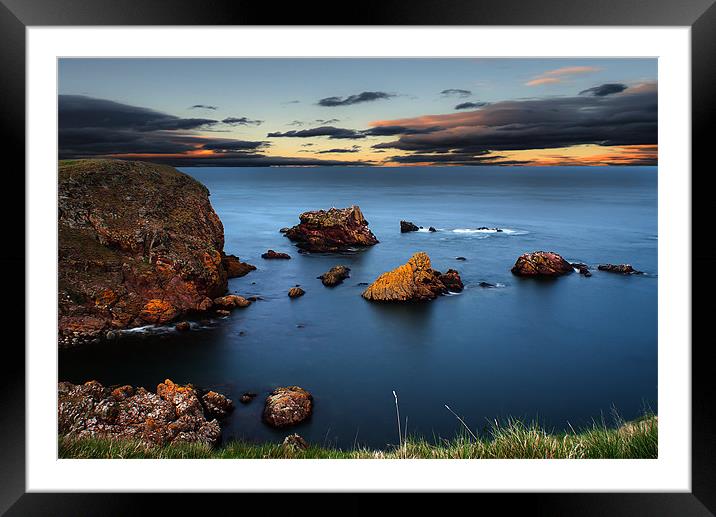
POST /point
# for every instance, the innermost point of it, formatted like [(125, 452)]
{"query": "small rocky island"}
[(139, 243), (541, 264), (333, 230), (413, 281)]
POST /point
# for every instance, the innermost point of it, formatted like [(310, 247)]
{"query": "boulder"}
[(541, 264), (336, 229), (294, 442), (235, 268), (413, 281), (287, 406), (138, 243), (271, 254), (231, 301), (432, 229), (624, 269), (407, 226), (216, 404), (174, 414), (295, 292), (182, 326), (451, 279), (335, 276)]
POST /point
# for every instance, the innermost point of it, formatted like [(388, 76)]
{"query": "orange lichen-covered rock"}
[(295, 292), (131, 233), (287, 406), (330, 230), (231, 301), (158, 311), (541, 263), (173, 414), (413, 281)]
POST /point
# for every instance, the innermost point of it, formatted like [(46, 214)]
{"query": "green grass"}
[(631, 440)]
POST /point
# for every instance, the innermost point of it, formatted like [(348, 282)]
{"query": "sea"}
[(566, 352)]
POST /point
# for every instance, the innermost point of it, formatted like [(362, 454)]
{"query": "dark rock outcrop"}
[(182, 326), (451, 279), (138, 243), (432, 229), (271, 254), (407, 226), (335, 276), (624, 269), (337, 229), (247, 397), (287, 406), (413, 281), (541, 263), (582, 268), (174, 414), (235, 268)]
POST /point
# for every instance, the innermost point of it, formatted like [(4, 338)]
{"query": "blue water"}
[(565, 351)]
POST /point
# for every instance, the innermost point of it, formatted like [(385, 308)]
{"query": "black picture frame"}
[(699, 15)]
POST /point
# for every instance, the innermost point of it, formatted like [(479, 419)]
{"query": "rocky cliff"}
[(139, 243)]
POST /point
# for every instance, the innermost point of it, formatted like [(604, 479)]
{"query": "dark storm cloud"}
[(629, 118), (251, 160), (329, 131), (202, 107), (354, 99), (399, 130), (79, 111), (470, 105), (242, 121), (453, 159), (604, 89), (98, 127), (455, 92), (353, 149)]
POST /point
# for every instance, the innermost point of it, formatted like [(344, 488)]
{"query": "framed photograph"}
[(435, 250)]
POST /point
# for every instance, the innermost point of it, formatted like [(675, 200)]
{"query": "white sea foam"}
[(507, 231)]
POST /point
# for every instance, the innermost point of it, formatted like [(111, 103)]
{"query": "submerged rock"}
[(138, 243), (582, 268), (413, 281), (460, 258), (624, 269), (486, 285), (295, 292), (335, 276), (174, 414), (541, 263), (336, 229), (407, 226), (287, 406), (271, 254), (432, 229), (247, 397), (235, 268)]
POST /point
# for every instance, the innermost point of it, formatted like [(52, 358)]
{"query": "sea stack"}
[(413, 281), (138, 243), (541, 264), (333, 230)]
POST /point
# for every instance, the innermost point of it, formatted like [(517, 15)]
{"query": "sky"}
[(371, 112)]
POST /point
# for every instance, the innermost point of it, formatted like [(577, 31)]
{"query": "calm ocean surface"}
[(564, 352)]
